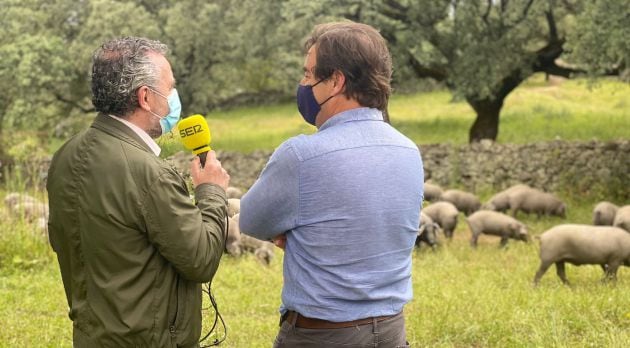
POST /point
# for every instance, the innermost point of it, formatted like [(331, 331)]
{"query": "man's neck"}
[(335, 108), (141, 133)]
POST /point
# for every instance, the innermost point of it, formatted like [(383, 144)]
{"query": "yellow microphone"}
[(195, 134)]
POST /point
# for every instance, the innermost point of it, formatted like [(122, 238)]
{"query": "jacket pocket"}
[(180, 306), (185, 330)]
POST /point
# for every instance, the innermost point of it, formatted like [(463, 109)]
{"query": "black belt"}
[(314, 323)]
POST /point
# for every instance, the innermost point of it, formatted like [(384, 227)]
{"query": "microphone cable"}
[(206, 288), (217, 318)]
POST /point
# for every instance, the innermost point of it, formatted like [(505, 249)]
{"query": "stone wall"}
[(595, 168)]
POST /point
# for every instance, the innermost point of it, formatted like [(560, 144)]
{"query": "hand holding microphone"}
[(205, 168)]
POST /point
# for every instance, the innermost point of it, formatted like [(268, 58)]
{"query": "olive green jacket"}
[(132, 246)]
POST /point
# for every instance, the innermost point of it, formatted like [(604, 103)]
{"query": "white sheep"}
[(606, 246), (496, 224), (465, 202), (622, 218), (444, 214), (604, 214), (234, 206), (501, 201), (530, 200), (263, 250), (432, 192), (234, 192)]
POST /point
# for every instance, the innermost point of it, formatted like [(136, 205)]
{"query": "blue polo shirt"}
[(348, 199)]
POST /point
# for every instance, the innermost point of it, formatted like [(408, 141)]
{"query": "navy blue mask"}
[(307, 104)]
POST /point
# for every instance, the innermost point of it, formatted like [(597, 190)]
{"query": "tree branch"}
[(551, 22), (557, 70), (394, 10), (523, 16), (485, 15), (422, 71)]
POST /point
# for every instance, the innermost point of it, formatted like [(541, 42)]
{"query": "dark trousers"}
[(389, 333)]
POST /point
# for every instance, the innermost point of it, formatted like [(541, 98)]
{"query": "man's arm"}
[(191, 238), (270, 207)]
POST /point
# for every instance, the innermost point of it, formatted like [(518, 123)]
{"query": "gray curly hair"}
[(119, 68)]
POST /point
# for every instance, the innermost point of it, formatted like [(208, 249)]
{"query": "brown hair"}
[(360, 53)]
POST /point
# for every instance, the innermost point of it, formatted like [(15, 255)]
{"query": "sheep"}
[(583, 245), (496, 224), (427, 232), (432, 192), (233, 241), (14, 198), (445, 215), (263, 250), (501, 201), (23, 205), (234, 192), (622, 218), (234, 206), (31, 211), (464, 201), (530, 200), (604, 214)]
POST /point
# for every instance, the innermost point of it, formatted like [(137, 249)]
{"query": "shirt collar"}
[(142, 134), (358, 114)]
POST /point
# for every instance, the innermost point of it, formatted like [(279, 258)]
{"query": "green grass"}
[(462, 297)]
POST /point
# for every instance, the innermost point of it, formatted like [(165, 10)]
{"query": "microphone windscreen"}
[(195, 134)]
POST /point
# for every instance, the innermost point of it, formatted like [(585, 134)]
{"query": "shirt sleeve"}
[(271, 206)]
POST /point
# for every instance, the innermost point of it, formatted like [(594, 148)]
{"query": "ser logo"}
[(190, 130)]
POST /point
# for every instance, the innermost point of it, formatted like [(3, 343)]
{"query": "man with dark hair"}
[(133, 248), (344, 203)]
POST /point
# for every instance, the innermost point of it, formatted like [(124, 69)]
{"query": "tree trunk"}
[(486, 125)]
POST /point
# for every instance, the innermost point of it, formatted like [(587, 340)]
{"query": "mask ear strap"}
[(324, 102), (317, 83)]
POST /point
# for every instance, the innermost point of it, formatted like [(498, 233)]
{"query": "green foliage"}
[(600, 41), (28, 153), (229, 52)]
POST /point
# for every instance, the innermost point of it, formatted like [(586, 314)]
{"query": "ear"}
[(142, 93), (339, 82)]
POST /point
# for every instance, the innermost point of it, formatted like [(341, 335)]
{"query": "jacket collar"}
[(119, 130)]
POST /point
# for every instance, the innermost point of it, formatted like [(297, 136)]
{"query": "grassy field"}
[(462, 297)]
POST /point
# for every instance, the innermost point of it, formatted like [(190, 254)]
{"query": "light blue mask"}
[(174, 111)]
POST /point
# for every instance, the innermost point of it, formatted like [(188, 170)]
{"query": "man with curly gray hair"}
[(133, 249)]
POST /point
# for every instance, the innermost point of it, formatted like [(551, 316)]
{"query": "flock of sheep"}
[(605, 243)]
